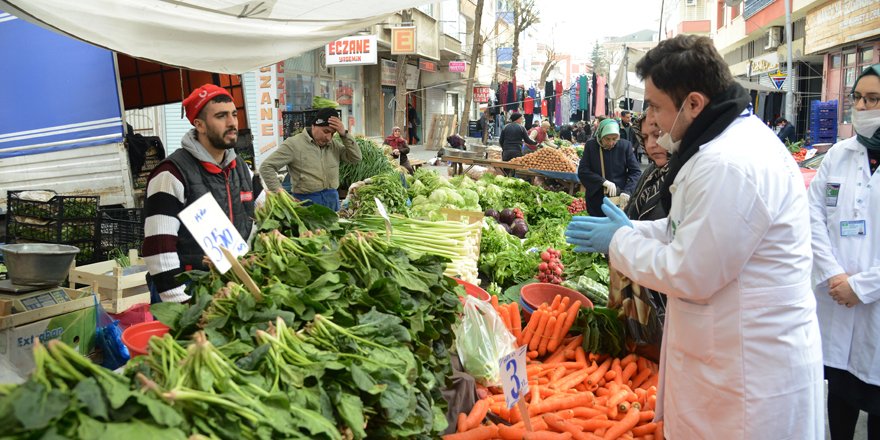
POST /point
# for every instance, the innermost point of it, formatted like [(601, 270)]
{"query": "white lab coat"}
[(850, 336), (741, 356)]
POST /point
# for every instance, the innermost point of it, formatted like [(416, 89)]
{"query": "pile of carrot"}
[(572, 394)]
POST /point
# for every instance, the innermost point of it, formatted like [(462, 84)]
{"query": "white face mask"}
[(665, 140), (866, 122)]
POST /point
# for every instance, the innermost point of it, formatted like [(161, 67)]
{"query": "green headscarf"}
[(606, 127), (872, 142)]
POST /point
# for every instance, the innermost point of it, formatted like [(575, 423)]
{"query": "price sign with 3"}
[(514, 379), (213, 230)]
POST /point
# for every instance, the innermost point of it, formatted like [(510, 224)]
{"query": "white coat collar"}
[(852, 144)]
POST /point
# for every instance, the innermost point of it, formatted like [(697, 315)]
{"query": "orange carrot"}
[(556, 300), (477, 414), (629, 422), (592, 424), (511, 433), (545, 336), (536, 394), (558, 357), (480, 433), (504, 313), (515, 319), (546, 435), (597, 375), (610, 376), (494, 301), (658, 434), (532, 354), (580, 355), (641, 377), (615, 367), (557, 334), (558, 424), (571, 315), (536, 337), (560, 403), (646, 429), (646, 415), (617, 397), (529, 331), (461, 426), (557, 374), (563, 305), (571, 380), (587, 412)]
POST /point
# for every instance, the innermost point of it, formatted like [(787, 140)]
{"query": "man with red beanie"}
[(206, 162)]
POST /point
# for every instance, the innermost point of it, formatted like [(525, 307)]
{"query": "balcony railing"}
[(752, 7)]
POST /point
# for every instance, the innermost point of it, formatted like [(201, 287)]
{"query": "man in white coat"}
[(741, 355)]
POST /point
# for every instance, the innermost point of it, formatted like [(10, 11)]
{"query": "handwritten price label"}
[(212, 230), (514, 379)]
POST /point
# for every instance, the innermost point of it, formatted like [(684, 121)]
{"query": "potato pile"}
[(548, 159)]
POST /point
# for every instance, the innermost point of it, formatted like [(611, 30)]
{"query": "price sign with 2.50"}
[(212, 230), (514, 379)]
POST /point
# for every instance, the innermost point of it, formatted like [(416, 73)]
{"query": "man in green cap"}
[(608, 167)]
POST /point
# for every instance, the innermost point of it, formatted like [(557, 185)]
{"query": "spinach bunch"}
[(602, 330), (281, 212), (68, 396)]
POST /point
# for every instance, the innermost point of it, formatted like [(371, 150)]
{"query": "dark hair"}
[(625, 113), (217, 99), (685, 64), (780, 120), (515, 116)]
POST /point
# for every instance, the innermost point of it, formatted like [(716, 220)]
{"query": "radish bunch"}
[(577, 205), (550, 269)]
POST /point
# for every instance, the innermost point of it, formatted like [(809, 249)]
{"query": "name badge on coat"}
[(832, 191), (852, 228)]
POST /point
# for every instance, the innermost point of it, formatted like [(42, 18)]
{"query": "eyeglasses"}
[(870, 101)]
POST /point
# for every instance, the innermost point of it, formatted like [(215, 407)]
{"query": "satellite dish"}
[(732, 3)]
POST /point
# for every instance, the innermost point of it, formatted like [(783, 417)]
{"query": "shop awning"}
[(222, 36), (748, 85)]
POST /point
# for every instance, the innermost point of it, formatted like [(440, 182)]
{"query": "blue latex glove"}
[(593, 234)]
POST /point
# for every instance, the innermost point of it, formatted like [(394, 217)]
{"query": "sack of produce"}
[(642, 310), (482, 339)]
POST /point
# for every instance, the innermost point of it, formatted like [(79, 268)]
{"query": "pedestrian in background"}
[(512, 138), (608, 168)]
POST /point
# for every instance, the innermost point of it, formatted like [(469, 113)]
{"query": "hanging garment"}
[(544, 103), (532, 92), (529, 105), (600, 95), (558, 107), (593, 96), (537, 104), (511, 97)]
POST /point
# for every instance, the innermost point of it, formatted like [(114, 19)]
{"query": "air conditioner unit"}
[(690, 2), (774, 37)]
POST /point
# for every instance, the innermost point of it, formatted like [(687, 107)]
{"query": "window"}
[(835, 61), (734, 11), (867, 55), (849, 59), (690, 2), (427, 9)]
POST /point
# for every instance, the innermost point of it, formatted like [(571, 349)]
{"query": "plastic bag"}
[(108, 338), (481, 340), (642, 311)]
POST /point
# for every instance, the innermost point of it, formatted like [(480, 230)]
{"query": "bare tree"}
[(400, 112), (549, 65), (476, 50), (525, 14)]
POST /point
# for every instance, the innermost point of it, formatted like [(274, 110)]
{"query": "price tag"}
[(382, 212), (212, 230), (514, 379)]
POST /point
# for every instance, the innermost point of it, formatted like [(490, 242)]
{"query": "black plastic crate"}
[(89, 252), (60, 231), (121, 229), (59, 207)]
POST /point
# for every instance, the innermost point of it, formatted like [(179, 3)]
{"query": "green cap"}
[(608, 126)]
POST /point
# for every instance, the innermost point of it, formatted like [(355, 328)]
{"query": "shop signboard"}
[(352, 51), (389, 75), (778, 79), (457, 66), (403, 40), (481, 94), (270, 94), (427, 65), (841, 21)]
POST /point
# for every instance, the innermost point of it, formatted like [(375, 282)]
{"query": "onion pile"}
[(547, 159)]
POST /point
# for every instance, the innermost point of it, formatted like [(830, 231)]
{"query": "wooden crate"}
[(442, 126), (118, 291)]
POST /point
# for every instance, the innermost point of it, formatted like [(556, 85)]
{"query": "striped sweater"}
[(165, 198)]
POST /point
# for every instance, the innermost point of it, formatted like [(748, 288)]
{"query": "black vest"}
[(227, 186)]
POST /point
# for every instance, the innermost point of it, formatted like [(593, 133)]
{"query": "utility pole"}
[(789, 94), (476, 48), (660, 31), (626, 77), (400, 112)]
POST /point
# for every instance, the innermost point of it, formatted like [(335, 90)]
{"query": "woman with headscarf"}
[(645, 202), (399, 148), (608, 167), (844, 199)]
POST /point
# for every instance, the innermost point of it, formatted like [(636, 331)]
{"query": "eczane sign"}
[(352, 51)]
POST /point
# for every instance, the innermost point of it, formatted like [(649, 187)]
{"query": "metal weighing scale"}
[(26, 298)]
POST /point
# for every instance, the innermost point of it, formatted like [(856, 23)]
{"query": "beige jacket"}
[(312, 168)]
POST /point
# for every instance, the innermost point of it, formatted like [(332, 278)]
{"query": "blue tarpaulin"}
[(57, 93)]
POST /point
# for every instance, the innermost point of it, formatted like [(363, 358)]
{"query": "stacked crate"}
[(823, 121), (71, 220), (121, 230)]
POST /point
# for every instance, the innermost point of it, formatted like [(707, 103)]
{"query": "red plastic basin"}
[(137, 337), (533, 295), (473, 290)]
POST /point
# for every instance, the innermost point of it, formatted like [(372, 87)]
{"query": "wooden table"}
[(458, 164)]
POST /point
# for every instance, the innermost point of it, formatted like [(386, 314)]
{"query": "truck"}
[(61, 116)]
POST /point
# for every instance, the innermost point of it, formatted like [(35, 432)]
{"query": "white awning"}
[(222, 36), (748, 85)]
